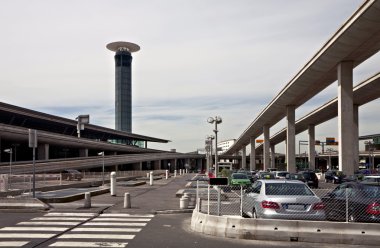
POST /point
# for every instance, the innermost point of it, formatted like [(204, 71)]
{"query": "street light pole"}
[(102, 154), (217, 120)]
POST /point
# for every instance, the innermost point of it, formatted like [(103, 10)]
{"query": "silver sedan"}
[(282, 199)]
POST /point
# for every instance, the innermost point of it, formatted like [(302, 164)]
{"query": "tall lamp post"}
[(10, 166), (217, 120), (209, 139), (102, 154)]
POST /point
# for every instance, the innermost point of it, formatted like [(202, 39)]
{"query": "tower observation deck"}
[(123, 83)]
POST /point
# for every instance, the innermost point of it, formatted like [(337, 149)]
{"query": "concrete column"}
[(272, 156), (159, 164), (266, 147), (312, 147), (43, 151), (346, 118), (244, 158), (253, 155), (356, 137), (291, 139), (83, 152)]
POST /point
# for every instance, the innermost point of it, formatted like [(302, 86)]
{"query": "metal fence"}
[(291, 200)]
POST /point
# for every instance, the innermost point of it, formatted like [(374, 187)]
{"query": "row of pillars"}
[(347, 131)]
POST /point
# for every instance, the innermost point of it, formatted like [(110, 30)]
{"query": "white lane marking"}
[(34, 228), (27, 235), (95, 236), (120, 219), (60, 218), (129, 215), (113, 224), (105, 229), (40, 223), (13, 243), (71, 214), (88, 244)]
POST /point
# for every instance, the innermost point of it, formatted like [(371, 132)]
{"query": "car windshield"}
[(287, 189), (371, 191), (297, 176), (239, 176)]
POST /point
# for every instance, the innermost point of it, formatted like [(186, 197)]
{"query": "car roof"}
[(372, 176), (280, 181)]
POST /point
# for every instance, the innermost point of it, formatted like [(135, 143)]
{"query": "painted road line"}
[(34, 228), (128, 215), (105, 229), (39, 223), (60, 218), (27, 235), (95, 236), (88, 244), (13, 243), (113, 224), (120, 219), (71, 214)]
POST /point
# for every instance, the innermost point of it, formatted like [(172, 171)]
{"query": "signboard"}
[(218, 181), (33, 138), (317, 142), (259, 141), (330, 140)]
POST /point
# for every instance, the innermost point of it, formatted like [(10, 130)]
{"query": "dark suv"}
[(310, 178)]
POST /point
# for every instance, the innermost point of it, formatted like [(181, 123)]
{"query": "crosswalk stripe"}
[(27, 235), (128, 215), (71, 214), (34, 228), (13, 243), (39, 223), (88, 244), (95, 236), (113, 224), (120, 219), (105, 229), (60, 218)]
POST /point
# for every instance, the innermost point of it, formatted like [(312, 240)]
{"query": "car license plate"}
[(299, 207)]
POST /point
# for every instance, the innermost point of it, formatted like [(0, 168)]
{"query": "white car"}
[(282, 199)]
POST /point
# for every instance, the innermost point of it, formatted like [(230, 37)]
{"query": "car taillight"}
[(319, 206), (373, 208), (269, 204)]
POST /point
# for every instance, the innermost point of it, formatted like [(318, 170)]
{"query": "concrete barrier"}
[(286, 230), (23, 203)]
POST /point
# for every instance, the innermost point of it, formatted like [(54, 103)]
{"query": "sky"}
[(198, 58)]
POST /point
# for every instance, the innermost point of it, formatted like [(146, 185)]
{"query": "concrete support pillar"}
[(253, 155), (346, 118), (266, 147), (43, 151), (272, 156), (83, 152), (312, 147), (356, 137), (244, 158), (159, 165), (291, 139)]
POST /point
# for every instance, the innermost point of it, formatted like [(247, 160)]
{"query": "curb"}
[(174, 211)]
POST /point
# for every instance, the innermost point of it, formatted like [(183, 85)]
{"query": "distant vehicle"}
[(264, 175), (363, 201), (371, 179), (240, 179), (72, 175), (280, 174), (282, 199), (271, 169), (311, 178), (295, 176), (334, 176)]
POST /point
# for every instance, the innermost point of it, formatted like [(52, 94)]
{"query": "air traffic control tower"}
[(123, 83)]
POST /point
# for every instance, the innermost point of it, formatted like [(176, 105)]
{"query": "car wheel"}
[(326, 181), (334, 181)]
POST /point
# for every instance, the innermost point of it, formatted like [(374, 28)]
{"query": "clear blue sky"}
[(198, 58)]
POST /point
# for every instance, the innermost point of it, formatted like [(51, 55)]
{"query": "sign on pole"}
[(32, 138)]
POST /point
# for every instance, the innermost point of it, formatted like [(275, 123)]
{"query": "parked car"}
[(363, 201), (371, 179), (280, 174), (295, 176), (238, 179), (72, 175), (334, 176), (265, 175), (310, 178), (282, 199)]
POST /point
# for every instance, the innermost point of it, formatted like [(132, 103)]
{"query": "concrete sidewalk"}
[(160, 197)]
